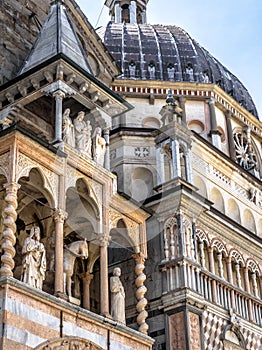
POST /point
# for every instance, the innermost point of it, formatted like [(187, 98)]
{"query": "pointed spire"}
[(57, 36), (128, 11)]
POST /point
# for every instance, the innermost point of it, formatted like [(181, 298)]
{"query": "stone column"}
[(231, 144), (212, 270), (132, 9), (194, 239), (86, 278), (58, 95), (107, 154), (9, 229), (202, 254), (176, 159), (160, 165), (104, 290), (246, 279), (189, 172), (238, 275), (118, 14), (254, 281), (247, 289), (140, 292), (59, 217), (180, 233), (214, 133), (220, 264), (230, 280)]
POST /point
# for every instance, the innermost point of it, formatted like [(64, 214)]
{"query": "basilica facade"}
[(130, 186)]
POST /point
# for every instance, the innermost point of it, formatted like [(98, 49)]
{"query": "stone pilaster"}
[(8, 236), (140, 292)]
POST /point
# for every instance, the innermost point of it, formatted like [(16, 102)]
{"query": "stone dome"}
[(168, 53)]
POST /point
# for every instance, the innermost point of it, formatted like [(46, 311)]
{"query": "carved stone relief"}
[(195, 339), (177, 336), (68, 343), (4, 161)]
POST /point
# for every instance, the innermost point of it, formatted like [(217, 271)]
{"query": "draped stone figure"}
[(117, 297), (68, 129), (80, 132), (99, 146), (34, 259)]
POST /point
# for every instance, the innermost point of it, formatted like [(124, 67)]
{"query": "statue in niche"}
[(80, 137), (68, 129), (83, 134), (99, 146), (34, 259), (117, 297)]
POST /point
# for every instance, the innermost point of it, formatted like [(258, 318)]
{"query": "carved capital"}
[(139, 258), (60, 215), (104, 240), (87, 277), (11, 187), (59, 95)]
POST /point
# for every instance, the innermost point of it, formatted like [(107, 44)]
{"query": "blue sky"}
[(231, 30)]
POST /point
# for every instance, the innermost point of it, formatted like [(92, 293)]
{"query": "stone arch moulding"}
[(132, 227), (94, 188), (68, 342), (50, 179)]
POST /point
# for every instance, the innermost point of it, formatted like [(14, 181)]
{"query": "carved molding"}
[(68, 343)]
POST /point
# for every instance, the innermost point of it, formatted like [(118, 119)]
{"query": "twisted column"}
[(8, 236), (140, 292)]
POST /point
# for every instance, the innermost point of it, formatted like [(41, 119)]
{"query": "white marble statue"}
[(68, 129), (34, 259), (117, 297), (80, 134), (99, 146)]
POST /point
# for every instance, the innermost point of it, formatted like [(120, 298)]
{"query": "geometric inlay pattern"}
[(213, 327)]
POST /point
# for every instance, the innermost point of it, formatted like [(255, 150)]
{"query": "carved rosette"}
[(140, 292), (8, 236)]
